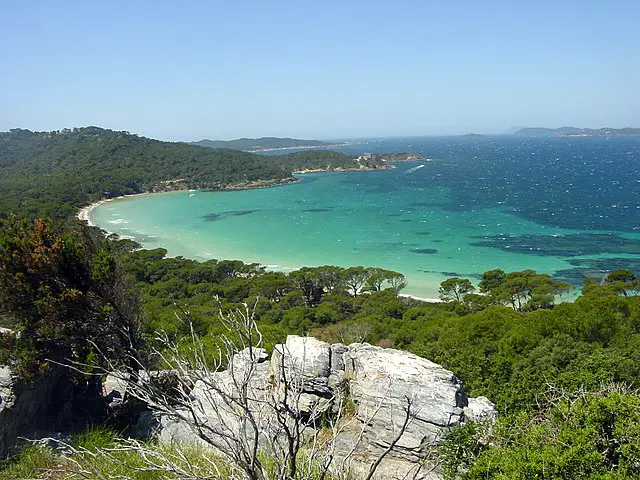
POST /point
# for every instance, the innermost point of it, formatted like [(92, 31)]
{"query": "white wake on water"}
[(411, 170)]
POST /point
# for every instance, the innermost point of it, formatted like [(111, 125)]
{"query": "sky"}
[(318, 69)]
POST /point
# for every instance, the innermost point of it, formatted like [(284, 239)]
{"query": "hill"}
[(259, 144), (56, 173), (576, 132)]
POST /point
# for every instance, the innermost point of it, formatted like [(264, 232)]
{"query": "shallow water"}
[(566, 206)]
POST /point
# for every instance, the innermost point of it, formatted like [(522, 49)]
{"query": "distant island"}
[(472, 135), (264, 144), (576, 132)]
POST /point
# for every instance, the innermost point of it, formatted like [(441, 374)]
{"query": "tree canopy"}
[(63, 291), (56, 173)]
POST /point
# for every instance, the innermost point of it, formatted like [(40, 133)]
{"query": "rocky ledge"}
[(371, 391)]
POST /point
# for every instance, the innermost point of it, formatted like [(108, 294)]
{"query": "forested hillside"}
[(55, 173)]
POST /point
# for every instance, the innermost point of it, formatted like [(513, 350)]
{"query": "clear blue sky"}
[(321, 69)]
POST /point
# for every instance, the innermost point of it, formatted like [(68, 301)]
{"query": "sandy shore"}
[(84, 213), (422, 299)]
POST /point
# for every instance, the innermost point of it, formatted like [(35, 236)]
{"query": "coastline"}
[(420, 299), (84, 213), (386, 166)]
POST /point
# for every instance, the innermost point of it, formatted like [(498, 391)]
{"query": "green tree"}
[(622, 282), (355, 278), (592, 435), (380, 276), (454, 289), (64, 290), (491, 280), (523, 291), (310, 285), (272, 286)]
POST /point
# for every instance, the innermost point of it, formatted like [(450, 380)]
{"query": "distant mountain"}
[(263, 143), (472, 135), (576, 132)]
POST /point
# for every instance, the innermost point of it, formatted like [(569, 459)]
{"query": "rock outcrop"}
[(385, 384), (43, 406), (384, 397), (33, 409)]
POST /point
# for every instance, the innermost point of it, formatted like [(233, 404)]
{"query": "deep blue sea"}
[(568, 206)]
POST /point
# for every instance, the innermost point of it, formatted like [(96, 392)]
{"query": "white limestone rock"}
[(305, 364), (384, 382), (480, 409)]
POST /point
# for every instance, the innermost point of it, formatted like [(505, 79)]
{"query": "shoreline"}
[(421, 299), (386, 166), (84, 213)]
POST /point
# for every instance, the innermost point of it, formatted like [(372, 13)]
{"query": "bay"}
[(567, 206)]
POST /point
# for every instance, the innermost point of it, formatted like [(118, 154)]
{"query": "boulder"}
[(304, 363), (387, 385), (301, 369), (337, 357), (213, 404), (35, 409), (480, 409)]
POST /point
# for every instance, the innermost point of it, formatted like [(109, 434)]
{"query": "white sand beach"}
[(84, 213), (422, 299)]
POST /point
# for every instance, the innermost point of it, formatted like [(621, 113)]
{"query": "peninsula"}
[(392, 157), (264, 144)]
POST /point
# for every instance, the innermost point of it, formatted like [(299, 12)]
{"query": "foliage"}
[(56, 173), (583, 435), (61, 291), (503, 347), (461, 446), (523, 291), (62, 285), (454, 289)]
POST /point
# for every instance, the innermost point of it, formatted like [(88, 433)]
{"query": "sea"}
[(566, 206)]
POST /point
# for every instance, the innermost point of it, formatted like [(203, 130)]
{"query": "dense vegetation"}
[(498, 351), (55, 173), (533, 360), (564, 376), (550, 369)]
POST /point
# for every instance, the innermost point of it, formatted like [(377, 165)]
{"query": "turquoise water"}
[(406, 219)]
